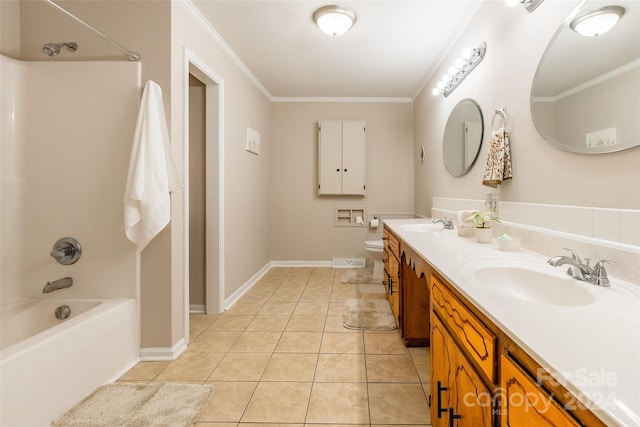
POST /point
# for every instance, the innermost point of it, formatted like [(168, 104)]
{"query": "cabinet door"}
[(330, 157), (394, 288), (473, 402), (353, 157), (458, 396), (441, 356), (524, 403)]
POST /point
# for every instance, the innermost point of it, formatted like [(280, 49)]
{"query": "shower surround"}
[(66, 138)]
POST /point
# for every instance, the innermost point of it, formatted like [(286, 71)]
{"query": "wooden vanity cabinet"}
[(481, 377), (414, 298), (459, 396), (392, 271), (406, 283)]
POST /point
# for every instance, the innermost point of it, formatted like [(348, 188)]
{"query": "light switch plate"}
[(252, 143)]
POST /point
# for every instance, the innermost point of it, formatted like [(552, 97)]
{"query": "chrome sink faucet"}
[(446, 222), (583, 271), (65, 282)]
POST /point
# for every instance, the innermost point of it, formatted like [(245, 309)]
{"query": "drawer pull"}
[(453, 416), (441, 410)]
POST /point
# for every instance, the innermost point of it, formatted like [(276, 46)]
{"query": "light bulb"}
[(446, 78), (435, 91), (467, 53), (513, 3), (441, 85), (459, 63), (452, 71)]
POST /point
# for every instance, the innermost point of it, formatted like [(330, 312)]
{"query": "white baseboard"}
[(228, 303), (197, 308), (159, 354), (300, 264), (254, 279)]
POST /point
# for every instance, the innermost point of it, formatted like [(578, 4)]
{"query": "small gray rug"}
[(139, 405), (368, 314)]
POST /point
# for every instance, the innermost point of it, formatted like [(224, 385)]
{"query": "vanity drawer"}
[(478, 341), (394, 245)]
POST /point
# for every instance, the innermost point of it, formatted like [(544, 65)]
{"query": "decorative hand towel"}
[(498, 166), (152, 172)]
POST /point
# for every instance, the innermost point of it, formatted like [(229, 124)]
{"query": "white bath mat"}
[(368, 315), (128, 404)]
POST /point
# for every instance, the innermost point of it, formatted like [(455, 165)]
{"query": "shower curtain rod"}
[(133, 56)]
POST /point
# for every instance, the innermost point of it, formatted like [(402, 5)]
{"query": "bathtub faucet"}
[(65, 282)]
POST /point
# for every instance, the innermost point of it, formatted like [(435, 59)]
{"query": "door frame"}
[(214, 83)]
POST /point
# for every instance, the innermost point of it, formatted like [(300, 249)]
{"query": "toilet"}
[(376, 247)]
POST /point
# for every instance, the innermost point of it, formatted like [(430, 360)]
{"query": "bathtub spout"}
[(65, 282)]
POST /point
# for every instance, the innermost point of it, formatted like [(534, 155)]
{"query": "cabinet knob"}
[(345, 170), (337, 170)]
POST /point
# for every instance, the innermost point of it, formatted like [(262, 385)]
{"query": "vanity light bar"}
[(460, 69)]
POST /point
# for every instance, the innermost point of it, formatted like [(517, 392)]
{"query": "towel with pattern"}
[(498, 167)]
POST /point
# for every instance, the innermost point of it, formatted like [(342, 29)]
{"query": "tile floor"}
[(280, 355)]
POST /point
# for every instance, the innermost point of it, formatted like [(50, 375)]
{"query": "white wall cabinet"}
[(342, 157)]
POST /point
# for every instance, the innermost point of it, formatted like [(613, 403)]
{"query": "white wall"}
[(542, 174), (64, 172), (301, 222)]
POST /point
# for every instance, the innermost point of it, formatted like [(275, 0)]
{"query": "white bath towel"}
[(152, 172), (498, 167)]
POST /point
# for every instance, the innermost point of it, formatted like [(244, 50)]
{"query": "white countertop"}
[(593, 350)]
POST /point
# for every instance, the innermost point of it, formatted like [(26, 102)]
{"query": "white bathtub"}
[(48, 365)]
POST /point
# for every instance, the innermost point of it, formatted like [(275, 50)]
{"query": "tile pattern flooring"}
[(280, 355)]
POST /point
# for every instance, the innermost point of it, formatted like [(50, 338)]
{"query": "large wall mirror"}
[(462, 137), (585, 94)]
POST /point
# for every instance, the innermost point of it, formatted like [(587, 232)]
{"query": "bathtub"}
[(48, 365)]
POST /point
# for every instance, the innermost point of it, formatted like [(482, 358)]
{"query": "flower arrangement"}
[(480, 219)]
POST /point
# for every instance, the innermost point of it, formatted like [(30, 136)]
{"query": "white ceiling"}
[(388, 53)]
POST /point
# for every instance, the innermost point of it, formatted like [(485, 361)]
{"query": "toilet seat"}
[(374, 244)]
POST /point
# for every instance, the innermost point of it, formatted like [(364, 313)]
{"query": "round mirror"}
[(462, 137), (584, 97)]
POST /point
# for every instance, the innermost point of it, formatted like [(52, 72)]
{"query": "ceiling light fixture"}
[(530, 5), (460, 69), (597, 22), (334, 20)]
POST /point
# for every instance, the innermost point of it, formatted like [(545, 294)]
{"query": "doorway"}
[(204, 190)]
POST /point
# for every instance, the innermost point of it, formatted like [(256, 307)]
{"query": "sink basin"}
[(420, 228), (531, 282)]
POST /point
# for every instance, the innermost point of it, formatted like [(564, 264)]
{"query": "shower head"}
[(52, 49)]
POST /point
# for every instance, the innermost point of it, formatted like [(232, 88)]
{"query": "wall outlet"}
[(252, 142)]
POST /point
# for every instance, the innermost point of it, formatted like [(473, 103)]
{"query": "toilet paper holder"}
[(374, 222)]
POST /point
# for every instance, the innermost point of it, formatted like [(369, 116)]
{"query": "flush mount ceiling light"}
[(460, 69), (530, 5), (334, 20), (597, 22)]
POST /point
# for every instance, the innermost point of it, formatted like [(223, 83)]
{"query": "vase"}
[(483, 235)]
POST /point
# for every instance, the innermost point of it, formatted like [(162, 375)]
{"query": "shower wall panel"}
[(69, 149)]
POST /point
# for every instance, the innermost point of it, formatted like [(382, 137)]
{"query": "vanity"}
[(514, 341)]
